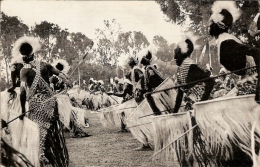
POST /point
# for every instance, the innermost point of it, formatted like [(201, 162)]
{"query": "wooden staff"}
[(160, 111), (182, 85)]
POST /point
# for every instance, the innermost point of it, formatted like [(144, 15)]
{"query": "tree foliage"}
[(12, 28), (111, 44), (164, 51), (199, 12), (47, 32), (130, 43), (105, 48)]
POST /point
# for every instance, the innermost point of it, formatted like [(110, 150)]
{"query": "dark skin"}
[(154, 79), (127, 89), (138, 78), (27, 76), (179, 57), (197, 74), (138, 73), (235, 58), (15, 76)]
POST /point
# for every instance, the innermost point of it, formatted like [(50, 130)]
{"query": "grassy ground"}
[(107, 147)]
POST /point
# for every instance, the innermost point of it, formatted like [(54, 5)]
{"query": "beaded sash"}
[(38, 82)]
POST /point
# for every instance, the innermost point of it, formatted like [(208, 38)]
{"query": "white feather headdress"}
[(64, 63), (101, 82), (184, 46), (230, 6), (155, 66), (16, 55), (144, 51)]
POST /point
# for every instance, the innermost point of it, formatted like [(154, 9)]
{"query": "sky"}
[(86, 16)]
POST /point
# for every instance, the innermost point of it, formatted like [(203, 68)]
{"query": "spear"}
[(52, 96), (201, 80), (181, 113), (160, 111), (112, 98)]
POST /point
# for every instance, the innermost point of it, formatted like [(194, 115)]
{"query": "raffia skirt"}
[(53, 151)]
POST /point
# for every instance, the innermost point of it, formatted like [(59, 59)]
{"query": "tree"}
[(106, 38), (48, 33), (62, 44), (164, 51), (81, 44), (12, 28), (199, 13), (129, 44)]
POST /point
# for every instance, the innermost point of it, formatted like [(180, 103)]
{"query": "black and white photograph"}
[(129, 83)]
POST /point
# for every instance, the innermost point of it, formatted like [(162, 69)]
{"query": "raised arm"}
[(53, 70)]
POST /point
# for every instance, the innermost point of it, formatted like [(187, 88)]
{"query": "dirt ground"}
[(107, 147)]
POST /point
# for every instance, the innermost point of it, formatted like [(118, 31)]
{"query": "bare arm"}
[(23, 88), (58, 73), (139, 77), (15, 73), (178, 100), (13, 76)]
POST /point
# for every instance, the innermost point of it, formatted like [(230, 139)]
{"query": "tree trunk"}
[(117, 70), (79, 75), (49, 50), (6, 68)]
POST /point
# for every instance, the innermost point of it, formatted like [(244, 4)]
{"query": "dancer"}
[(136, 76), (127, 94), (35, 89), (100, 87), (152, 80), (56, 83), (59, 85), (232, 54), (189, 72)]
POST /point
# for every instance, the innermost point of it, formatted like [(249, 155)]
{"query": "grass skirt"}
[(116, 114), (226, 125)]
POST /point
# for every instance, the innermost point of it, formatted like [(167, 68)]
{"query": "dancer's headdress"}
[(127, 81), (155, 66), (121, 81), (224, 13), (24, 46), (188, 43), (61, 65), (147, 57), (101, 82), (116, 79), (132, 60)]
